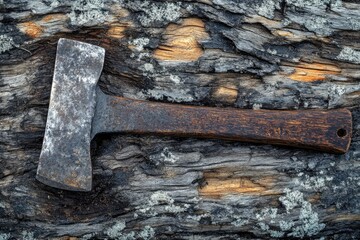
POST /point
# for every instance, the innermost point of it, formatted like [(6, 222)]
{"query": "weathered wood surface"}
[(328, 131), (289, 54)]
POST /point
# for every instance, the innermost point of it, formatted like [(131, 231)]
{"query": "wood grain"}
[(182, 42), (156, 187), (321, 130)]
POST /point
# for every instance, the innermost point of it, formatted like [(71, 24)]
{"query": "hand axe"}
[(79, 110)]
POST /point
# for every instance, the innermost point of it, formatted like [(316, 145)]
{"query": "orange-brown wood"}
[(226, 94), (182, 41), (309, 72), (31, 29), (117, 31), (222, 182)]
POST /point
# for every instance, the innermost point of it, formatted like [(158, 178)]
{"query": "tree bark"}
[(261, 54)]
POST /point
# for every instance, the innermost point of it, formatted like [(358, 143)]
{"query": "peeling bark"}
[(288, 54)]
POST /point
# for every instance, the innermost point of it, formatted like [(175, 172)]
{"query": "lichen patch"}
[(176, 95), (6, 43), (5, 236), (161, 202), (349, 54), (271, 220), (88, 13), (158, 12), (138, 44), (115, 230), (267, 8), (314, 3)]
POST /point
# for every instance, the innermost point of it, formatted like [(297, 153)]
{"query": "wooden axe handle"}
[(328, 131)]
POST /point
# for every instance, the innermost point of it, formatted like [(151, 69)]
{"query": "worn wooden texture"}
[(328, 131), (288, 54)]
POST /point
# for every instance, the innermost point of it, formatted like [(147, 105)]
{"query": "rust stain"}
[(228, 94), (31, 29), (221, 184), (50, 23), (309, 72), (73, 181), (48, 18), (182, 41)]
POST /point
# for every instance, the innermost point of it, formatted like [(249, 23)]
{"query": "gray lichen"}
[(316, 183), (174, 95), (148, 67), (354, 23), (6, 43), (176, 79), (267, 213), (139, 43), (237, 217), (291, 199), (88, 13), (318, 25), (167, 156), (349, 54), (147, 233), (87, 236), (257, 106), (313, 3), (115, 231), (240, 222), (271, 222), (309, 219), (161, 202), (165, 12), (42, 7), (286, 225), (267, 8), (310, 222), (27, 235), (5, 236), (160, 12), (276, 234)]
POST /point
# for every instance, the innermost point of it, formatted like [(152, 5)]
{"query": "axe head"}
[(65, 156)]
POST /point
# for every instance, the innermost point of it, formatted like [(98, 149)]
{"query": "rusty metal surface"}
[(65, 157)]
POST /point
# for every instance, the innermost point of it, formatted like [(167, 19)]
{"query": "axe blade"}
[(65, 161)]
